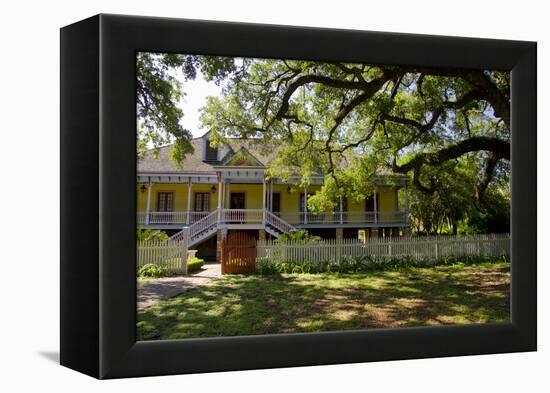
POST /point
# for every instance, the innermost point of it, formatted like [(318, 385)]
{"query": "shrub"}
[(297, 235), (150, 234), (267, 266), (151, 270), (194, 264)]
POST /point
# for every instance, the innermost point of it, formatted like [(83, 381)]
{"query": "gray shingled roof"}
[(194, 163)]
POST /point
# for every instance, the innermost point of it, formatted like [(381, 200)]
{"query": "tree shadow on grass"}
[(248, 305)]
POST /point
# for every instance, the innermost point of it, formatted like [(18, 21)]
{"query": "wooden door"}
[(238, 253), (237, 200)]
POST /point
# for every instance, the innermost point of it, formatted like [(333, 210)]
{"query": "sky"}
[(196, 92)]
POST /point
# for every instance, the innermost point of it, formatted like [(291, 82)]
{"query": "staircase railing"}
[(197, 227), (277, 222), (181, 235), (203, 224)]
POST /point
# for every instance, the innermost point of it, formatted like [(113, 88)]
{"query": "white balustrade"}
[(256, 216), (242, 216)]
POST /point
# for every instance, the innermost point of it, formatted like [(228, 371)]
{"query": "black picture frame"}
[(98, 186)]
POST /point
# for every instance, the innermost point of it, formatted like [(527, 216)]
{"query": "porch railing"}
[(242, 216), (256, 216), (180, 218), (345, 217)]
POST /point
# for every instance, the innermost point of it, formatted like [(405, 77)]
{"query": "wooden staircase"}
[(207, 227), (275, 225), (199, 230)]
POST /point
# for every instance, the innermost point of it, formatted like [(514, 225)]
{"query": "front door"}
[(237, 200)]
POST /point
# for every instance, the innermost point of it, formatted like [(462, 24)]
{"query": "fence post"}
[(183, 244)]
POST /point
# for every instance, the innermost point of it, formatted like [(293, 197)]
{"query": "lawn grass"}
[(255, 304)]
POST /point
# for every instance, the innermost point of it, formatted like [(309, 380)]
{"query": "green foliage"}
[(352, 121), (152, 271), (298, 234), (494, 217), (158, 95), (194, 264), (450, 207), (450, 202), (266, 266), (150, 234)]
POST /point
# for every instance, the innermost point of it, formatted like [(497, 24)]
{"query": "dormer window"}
[(211, 153)]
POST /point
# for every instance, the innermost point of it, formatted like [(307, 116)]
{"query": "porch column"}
[(264, 198), (149, 186), (375, 208), (227, 194), (220, 196), (396, 199), (305, 204), (189, 189), (271, 195)]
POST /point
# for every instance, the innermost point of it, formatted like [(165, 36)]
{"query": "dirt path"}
[(150, 292)]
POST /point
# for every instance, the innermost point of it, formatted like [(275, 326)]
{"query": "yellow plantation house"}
[(217, 190)]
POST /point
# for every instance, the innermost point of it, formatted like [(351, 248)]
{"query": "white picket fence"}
[(419, 248), (166, 253)]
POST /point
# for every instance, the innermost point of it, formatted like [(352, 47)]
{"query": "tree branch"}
[(499, 148), (371, 86), (484, 183), (499, 100), (467, 98)]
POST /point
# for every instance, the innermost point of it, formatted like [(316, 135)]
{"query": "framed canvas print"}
[(239, 196)]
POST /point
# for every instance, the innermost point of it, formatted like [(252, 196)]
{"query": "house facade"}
[(217, 190)]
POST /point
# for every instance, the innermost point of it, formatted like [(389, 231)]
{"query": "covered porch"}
[(242, 196)]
